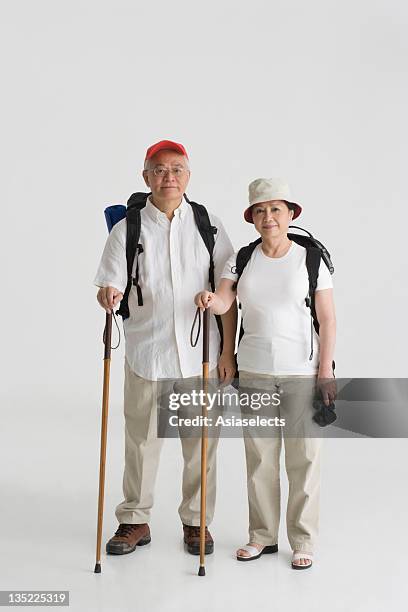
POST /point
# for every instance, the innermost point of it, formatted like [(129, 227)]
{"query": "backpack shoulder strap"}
[(136, 202), (315, 252), (207, 233), (313, 257), (243, 256), (311, 241)]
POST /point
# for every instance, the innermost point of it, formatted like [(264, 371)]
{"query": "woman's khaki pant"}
[(302, 460), (142, 453)]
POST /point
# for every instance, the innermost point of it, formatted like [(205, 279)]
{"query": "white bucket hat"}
[(263, 190)]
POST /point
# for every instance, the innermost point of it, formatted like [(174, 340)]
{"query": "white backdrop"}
[(313, 91)]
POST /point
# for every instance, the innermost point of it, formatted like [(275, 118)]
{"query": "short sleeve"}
[(324, 280), (112, 270), (223, 248), (229, 268)]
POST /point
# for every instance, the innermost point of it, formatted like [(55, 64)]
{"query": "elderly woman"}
[(275, 349)]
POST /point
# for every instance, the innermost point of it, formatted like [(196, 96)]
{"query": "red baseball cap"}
[(165, 144)]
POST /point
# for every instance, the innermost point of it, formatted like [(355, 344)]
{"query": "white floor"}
[(50, 460)]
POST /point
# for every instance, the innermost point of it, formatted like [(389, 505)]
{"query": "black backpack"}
[(315, 251), (136, 202)]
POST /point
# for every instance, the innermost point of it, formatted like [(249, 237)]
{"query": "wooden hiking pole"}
[(204, 439), (107, 337)]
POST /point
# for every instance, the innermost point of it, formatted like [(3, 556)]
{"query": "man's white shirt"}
[(173, 267)]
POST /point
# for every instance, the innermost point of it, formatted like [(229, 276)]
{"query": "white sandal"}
[(301, 555), (255, 553)]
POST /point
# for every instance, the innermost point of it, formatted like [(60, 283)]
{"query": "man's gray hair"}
[(147, 164)]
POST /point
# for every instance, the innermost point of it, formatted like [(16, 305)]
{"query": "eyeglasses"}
[(177, 171)]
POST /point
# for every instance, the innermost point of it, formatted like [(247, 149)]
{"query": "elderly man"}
[(172, 267)]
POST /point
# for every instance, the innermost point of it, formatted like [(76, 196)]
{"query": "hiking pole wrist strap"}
[(197, 316)]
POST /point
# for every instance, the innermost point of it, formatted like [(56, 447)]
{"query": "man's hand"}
[(226, 368), (108, 297)]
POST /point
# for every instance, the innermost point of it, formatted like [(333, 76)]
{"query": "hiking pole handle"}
[(107, 335), (206, 337)]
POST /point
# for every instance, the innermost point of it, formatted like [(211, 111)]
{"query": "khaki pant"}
[(142, 453), (302, 460)]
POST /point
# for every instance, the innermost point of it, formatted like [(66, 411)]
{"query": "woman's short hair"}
[(290, 205)]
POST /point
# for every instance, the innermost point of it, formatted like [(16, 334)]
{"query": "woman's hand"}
[(327, 386), (220, 301), (203, 299)]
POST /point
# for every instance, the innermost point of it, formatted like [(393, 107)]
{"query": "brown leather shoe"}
[(127, 537), (192, 539)]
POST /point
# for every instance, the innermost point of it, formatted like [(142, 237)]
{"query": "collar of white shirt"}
[(160, 217)]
